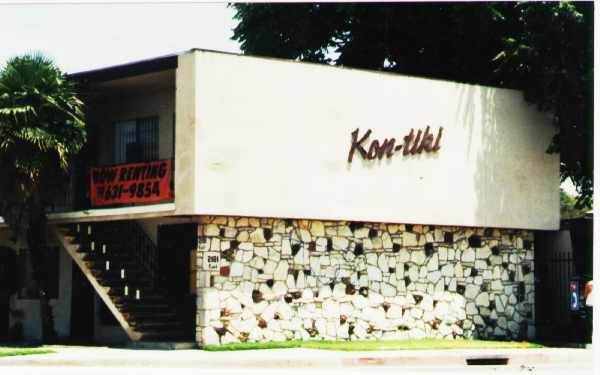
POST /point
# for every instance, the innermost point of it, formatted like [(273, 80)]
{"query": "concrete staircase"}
[(120, 262)]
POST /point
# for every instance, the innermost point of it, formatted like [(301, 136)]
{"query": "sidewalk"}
[(286, 358)]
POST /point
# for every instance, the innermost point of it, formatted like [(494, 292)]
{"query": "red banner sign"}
[(131, 183)]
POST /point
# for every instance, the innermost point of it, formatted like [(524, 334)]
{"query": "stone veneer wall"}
[(304, 279)]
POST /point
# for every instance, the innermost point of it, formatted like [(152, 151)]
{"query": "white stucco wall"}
[(186, 119), (272, 140)]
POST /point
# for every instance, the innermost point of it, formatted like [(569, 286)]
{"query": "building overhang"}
[(110, 214)]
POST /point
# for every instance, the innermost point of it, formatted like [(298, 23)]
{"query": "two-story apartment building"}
[(227, 198)]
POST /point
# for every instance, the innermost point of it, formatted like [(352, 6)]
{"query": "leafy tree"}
[(569, 208), (544, 49), (41, 128), (550, 57)]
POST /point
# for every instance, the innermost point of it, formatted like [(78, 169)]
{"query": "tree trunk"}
[(36, 239), (25, 215)]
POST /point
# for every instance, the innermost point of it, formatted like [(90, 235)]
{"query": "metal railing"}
[(142, 247), (75, 195), (131, 239), (553, 274)]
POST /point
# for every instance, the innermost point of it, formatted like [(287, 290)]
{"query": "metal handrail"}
[(137, 243), (144, 250)]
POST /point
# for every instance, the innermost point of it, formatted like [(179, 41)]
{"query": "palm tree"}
[(41, 128)]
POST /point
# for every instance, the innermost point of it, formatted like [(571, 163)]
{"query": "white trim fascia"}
[(119, 213)]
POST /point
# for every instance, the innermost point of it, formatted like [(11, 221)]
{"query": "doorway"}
[(8, 286), (177, 244), (82, 307), (554, 268)]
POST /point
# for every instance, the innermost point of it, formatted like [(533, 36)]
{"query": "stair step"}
[(163, 335), (144, 288), (153, 316), (115, 272), (149, 315), (67, 231), (148, 307), (97, 252), (110, 245), (118, 282), (110, 251), (100, 271), (99, 257), (75, 247), (114, 278), (156, 325), (129, 263), (148, 298), (145, 294), (70, 238)]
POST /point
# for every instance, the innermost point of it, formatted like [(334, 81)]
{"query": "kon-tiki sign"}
[(413, 144)]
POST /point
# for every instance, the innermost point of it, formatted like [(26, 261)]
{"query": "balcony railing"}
[(118, 185)]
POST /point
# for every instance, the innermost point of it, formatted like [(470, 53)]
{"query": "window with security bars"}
[(136, 140)]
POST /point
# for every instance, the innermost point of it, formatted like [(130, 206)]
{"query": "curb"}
[(161, 345)]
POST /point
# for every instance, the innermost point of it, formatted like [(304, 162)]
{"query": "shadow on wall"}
[(501, 154)]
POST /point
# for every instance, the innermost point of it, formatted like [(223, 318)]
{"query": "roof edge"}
[(126, 70), (170, 62)]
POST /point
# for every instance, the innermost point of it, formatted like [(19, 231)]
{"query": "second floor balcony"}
[(129, 158)]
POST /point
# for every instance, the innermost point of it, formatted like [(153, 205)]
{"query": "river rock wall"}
[(263, 279)]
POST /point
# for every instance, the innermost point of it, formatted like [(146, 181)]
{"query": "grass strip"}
[(8, 351), (422, 344), (254, 346), (379, 345)]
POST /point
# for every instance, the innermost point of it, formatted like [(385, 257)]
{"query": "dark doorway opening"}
[(8, 286), (82, 307), (4, 322), (554, 269), (177, 245)]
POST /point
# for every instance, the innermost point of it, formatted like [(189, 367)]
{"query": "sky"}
[(80, 36)]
